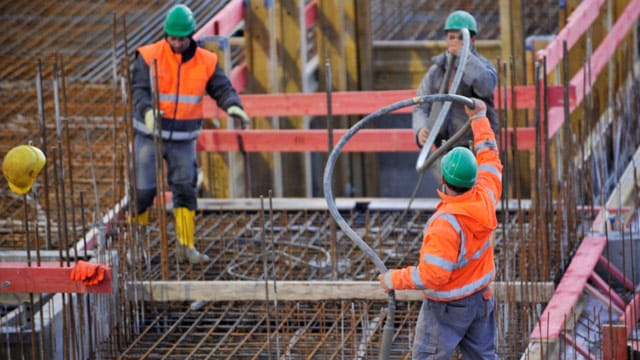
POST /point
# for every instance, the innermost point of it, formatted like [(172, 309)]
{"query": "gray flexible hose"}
[(388, 330), (435, 129)]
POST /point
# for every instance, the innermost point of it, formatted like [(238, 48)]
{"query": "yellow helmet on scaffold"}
[(21, 166)]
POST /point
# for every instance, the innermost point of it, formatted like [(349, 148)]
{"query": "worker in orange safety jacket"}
[(456, 264), (184, 74)]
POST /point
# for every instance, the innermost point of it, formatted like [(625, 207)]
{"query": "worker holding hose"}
[(185, 74), (478, 80), (456, 265)]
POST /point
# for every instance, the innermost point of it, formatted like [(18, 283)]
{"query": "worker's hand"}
[(423, 134), (237, 112), (385, 287), (479, 110), (150, 119)]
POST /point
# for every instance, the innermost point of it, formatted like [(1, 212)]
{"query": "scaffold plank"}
[(566, 295), (536, 292)]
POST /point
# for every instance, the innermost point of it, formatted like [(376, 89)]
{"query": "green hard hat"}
[(461, 19), (459, 167), (180, 22)]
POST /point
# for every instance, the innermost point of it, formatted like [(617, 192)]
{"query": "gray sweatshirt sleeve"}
[(480, 75)]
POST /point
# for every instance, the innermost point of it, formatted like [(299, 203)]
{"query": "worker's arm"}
[(480, 76), (220, 89), (438, 256), (486, 148), (140, 87)]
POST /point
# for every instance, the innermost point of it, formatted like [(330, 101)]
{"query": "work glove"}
[(479, 111), (89, 273), (150, 119), (385, 281), (237, 112)]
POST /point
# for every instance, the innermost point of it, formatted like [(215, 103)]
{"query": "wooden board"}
[(538, 292)]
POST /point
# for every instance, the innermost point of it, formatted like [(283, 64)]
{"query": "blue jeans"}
[(468, 323), (181, 171)]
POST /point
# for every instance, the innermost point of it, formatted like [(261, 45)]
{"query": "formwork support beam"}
[(587, 76), (565, 298), (48, 277), (344, 103), (223, 176), (366, 140), (532, 292), (360, 102), (291, 62), (614, 342)]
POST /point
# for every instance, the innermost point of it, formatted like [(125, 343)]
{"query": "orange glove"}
[(97, 278), (88, 273)]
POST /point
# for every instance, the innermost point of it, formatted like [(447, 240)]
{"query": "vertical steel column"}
[(292, 58), (614, 341), (336, 42), (258, 55), (222, 172)]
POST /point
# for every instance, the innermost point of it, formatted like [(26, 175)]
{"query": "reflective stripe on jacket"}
[(456, 258), (181, 88)]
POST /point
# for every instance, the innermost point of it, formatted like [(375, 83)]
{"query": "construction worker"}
[(185, 74), (478, 80), (21, 166), (456, 264)]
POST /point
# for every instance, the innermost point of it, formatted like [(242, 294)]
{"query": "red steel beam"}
[(614, 271), (356, 102), (232, 14), (49, 277), (609, 293), (577, 24), (343, 103), (631, 314), (578, 347), (573, 282), (365, 140), (310, 14), (224, 22), (614, 342), (599, 59)]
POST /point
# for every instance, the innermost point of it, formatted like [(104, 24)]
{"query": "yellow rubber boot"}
[(141, 219), (185, 229), (138, 253)]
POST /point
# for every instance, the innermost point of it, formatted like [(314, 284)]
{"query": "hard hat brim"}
[(20, 190)]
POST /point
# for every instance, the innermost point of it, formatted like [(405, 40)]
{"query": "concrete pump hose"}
[(333, 210)]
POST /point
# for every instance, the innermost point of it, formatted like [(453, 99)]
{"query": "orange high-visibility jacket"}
[(181, 86), (456, 258)]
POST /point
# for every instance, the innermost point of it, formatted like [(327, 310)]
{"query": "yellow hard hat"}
[(21, 166)]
